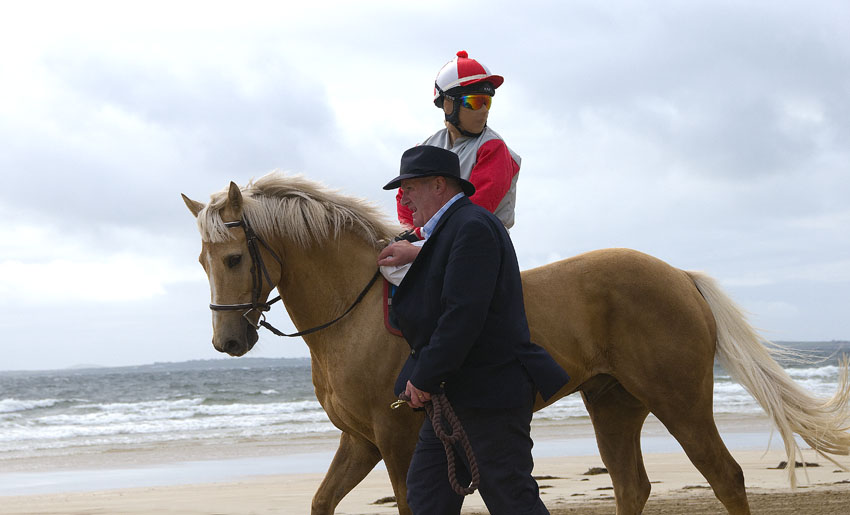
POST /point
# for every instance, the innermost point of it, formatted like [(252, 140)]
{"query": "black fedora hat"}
[(428, 161)]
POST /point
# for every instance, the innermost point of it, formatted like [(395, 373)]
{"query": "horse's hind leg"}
[(681, 398), (693, 427), (354, 459), (617, 420)]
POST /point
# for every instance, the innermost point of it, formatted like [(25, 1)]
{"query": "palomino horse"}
[(635, 334)]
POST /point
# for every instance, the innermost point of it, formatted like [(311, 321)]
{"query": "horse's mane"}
[(290, 206)]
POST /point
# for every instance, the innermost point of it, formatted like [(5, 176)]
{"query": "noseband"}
[(258, 272)]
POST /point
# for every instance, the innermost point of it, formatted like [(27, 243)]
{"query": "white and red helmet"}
[(463, 74)]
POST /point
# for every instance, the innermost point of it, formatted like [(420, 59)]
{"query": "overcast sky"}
[(714, 135)]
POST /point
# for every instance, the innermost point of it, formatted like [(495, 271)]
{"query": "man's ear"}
[(445, 184), (439, 183)]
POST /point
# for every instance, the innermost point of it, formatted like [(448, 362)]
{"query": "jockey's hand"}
[(418, 397), (398, 253)]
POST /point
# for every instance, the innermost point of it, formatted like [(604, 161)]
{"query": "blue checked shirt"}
[(432, 223)]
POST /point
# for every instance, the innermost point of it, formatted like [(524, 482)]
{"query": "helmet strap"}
[(454, 118)]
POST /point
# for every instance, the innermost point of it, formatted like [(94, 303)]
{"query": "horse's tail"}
[(749, 360)]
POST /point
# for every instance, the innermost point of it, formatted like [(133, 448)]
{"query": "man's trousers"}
[(501, 442)]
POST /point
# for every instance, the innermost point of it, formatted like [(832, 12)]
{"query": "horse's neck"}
[(320, 283), (352, 359)]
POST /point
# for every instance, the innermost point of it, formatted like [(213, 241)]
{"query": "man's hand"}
[(418, 398), (398, 253)]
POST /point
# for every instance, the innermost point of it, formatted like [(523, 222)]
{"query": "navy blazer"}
[(461, 310)]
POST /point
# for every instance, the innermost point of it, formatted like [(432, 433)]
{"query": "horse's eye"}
[(234, 260)]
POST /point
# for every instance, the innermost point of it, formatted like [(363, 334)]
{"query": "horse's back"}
[(618, 312)]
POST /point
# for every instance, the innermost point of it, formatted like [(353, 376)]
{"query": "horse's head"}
[(237, 286)]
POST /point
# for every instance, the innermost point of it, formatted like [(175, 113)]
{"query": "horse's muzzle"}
[(240, 346)]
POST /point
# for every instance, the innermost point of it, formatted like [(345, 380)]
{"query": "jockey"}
[(464, 90)]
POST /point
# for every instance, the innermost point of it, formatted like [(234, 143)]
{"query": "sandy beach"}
[(677, 488), (183, 480)]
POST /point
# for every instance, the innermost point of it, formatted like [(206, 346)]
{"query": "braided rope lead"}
[(438, 408)]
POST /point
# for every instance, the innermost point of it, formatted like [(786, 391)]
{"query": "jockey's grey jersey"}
[(467, 150)]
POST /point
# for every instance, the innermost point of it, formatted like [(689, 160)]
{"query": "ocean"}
[(51, 417), (66, 411)]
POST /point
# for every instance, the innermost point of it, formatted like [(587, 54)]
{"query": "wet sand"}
[(280, 477), (677, 487)]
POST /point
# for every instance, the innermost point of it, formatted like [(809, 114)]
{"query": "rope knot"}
[(438, 409)]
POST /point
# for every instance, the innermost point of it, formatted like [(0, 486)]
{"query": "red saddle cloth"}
[(389, 289)]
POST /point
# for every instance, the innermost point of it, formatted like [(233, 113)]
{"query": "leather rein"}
[(258, 272)]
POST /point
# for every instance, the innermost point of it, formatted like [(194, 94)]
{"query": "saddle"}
[(390, 321)]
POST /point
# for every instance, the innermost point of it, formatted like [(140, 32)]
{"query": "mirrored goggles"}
[(475, 102)]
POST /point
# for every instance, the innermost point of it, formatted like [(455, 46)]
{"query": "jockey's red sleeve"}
[(492, 174), (405, 215)]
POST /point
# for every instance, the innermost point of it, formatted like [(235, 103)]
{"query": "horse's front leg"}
[(396, 436), (354, 459)]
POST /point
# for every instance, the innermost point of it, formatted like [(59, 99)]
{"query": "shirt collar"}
[(429, 226)]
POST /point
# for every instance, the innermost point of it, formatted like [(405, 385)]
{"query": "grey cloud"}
[(126, 134), (725, 75), (710, 134)]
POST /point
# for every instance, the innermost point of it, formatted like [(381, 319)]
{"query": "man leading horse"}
[(460, 308)]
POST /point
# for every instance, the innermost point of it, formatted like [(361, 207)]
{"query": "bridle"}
[(258, 272)]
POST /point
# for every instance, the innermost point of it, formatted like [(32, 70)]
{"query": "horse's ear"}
[(234, 199), (194, 206)]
